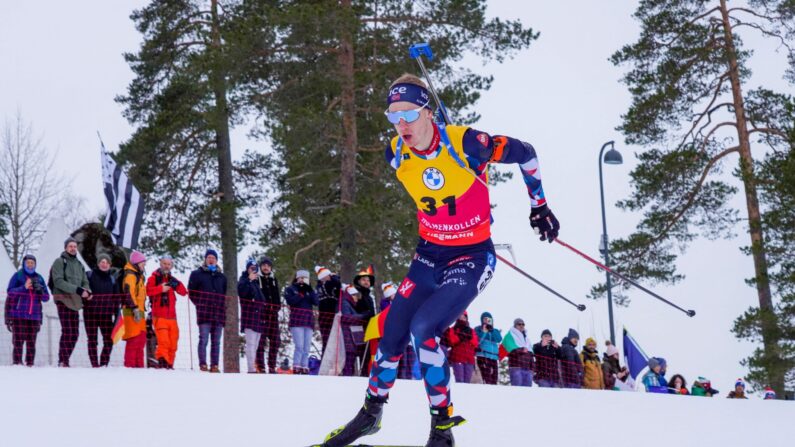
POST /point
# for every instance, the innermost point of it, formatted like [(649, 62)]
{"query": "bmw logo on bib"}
[(433, 179)]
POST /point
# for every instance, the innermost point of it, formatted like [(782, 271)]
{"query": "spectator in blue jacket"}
[(26, 291), (652, 379), (301, 298), (571, 370), (488, 350), (207, 291), (252, 308)]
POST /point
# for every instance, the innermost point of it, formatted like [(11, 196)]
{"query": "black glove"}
[(10, 326), (544, 223), (80, 291)]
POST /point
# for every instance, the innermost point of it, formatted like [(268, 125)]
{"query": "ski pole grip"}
[(422, 48)]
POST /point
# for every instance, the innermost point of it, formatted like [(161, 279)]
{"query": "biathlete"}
[(455, 257)]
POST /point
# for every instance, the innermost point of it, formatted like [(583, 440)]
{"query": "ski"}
[(370, 445)]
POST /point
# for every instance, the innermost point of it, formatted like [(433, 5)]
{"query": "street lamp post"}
[(612, 157)]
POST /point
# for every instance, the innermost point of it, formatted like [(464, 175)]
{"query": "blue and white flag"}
[(125, 206), (634, 357)]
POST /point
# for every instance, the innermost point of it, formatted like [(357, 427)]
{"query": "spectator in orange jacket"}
[(162, 289), (133, 313), (462, 341)]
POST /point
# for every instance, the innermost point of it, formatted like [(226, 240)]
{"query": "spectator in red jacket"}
[(162, 289), (462, 341)]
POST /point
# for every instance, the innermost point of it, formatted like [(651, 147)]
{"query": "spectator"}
[(462, 341), (769, 394), (134, 288), (488, 348), (389, 290), (252, 306), (271, 331), (207, 291), (739, 390), (284, 367), (520, 359), (652, 379), (69, 287), (352, 329), (663, 371), (678, 385), (547, 353), (162, 289), (300, 296), (593, 377), (703, 387), (570, 363), (101, 312), (363, 281), (328, 293), (616, 377), (26, 291)]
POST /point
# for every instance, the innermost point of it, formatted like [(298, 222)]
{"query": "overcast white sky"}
[(62, 66)]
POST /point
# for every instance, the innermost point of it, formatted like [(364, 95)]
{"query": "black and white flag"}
[(125, 207)]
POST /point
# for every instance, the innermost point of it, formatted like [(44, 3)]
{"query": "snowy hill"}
[(120, 408)]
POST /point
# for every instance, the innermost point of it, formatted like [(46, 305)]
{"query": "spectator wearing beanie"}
[(462, 341), (739, 390), (353, 324), (69, 287), (252, 305), (703, 387), (678, 385), (769, 394), (271, 332), (27, 291), (489, 340), (162, 288), (520, 357), (593, 377), (100, 313), (328, 295), (570, 363), (388, 290), (207, 291), (547, 354), (616, 376), (301, 298), (652, 379), (134, 299)]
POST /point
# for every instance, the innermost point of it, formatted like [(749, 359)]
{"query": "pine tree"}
[(693, 109), (184, 101), (339, 203)]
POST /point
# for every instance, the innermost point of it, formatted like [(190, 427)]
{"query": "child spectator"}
[(739, 390), (488, 351), (652, 379), (678, 385)]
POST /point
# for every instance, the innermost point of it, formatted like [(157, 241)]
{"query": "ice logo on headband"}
[(397, 92)]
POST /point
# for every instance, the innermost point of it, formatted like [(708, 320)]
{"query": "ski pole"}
[(580, 307), (690, 313)]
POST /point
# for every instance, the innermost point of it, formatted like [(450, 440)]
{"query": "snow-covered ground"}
[(120, 408)]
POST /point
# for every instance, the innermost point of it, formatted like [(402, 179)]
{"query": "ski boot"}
[(442, 420), (366, 422)]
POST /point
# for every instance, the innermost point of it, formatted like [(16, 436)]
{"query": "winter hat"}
[(590, 340), (265, 260), (389, 289), (68, 241), (104, 256), (250, 263), (351, 290), (28, 256), (573, 334), (322, 272), (611, 350), (212, 252), (518, 321), (769, 393), (546, 332), (136, 257), (739, 382), (302, 274), (663, 362), (485, 315), (653, 363)]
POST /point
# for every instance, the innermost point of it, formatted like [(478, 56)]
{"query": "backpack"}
[(50, 282)]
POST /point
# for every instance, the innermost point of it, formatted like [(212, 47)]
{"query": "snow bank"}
[(118, 407)]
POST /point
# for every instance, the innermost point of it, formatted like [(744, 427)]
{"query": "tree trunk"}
[(228, 207), (769, 330), (349, 143)]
